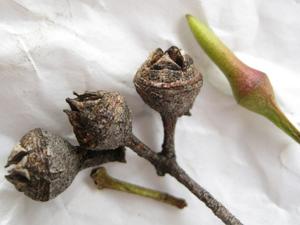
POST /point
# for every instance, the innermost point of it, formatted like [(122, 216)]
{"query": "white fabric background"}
[(50, 48)]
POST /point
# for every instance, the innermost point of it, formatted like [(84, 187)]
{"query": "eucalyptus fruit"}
[(100, 119), (43, 164), (169, 83)]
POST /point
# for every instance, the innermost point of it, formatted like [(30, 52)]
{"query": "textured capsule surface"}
[(100, 120), (42, 165), (169, 82)]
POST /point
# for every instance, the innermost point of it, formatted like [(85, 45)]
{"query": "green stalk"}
[(103, 180)]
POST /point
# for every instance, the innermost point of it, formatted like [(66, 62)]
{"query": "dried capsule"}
[(168, 82), (43, 165), (100, 120)]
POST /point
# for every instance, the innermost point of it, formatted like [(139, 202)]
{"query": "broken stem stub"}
[(103, 180)]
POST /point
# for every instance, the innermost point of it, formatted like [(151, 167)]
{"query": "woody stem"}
[(166, 165), (168, 147)]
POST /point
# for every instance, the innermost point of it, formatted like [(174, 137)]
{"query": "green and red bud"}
[(252, 89)]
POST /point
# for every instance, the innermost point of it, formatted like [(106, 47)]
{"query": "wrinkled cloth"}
[(50, 48)]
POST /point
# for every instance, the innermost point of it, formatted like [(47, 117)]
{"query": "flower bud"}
[(252, 88), (100, 120), (168, 82), (42, 165)]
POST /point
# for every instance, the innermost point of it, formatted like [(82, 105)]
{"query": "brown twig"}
[(169, 165), (168, 147)]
